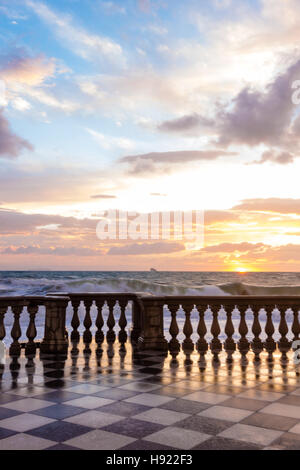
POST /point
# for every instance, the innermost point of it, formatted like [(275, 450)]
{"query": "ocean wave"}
[(239, 288), (162, 285)]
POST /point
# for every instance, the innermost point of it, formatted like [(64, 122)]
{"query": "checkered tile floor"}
[(147, 401)]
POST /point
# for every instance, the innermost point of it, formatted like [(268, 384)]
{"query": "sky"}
[(147, 106)]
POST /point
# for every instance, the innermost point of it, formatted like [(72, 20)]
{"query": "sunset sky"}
[(149, 105)]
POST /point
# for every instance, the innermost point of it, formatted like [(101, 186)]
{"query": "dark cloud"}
[(260, 117), (11, 145), (147, 248), (103, 196), (185, 123), (252, 118), (275, 156), (163, 161)]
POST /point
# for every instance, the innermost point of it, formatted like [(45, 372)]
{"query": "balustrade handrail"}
[(149, 322)]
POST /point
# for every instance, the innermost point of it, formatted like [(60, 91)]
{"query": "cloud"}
[(12, 14), (19, 67), (163, 161), (87, 45), (112, 7), (55, 251), (108, 142), (276, 156), (185, 123), (253, 117), (103, 196), (147, 248), (260, 117), (277, 205), (219, 216), (15, 222), (243, 247), (156, 29), (11, 145), (60, 183)]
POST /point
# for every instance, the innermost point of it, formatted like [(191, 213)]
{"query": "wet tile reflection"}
[(119, 394)]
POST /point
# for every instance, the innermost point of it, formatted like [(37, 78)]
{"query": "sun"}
[(241, 270)]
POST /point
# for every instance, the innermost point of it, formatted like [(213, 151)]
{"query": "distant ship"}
[(153, 270)]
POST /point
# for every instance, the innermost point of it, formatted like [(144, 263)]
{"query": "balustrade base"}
[(153, 344), (52, 346)]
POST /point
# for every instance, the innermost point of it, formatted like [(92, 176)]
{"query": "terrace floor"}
[(125, 400)]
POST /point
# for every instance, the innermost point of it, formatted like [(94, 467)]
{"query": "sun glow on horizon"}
[(242, 270)]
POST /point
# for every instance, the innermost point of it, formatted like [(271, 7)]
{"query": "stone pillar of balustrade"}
[(55, 339), (152, 334), (136, 320)]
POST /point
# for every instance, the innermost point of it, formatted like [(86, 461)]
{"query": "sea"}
[(153, 282)]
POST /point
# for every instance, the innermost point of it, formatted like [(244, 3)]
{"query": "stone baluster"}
[(269, 344), (31, 330), (187, 344), (283, 343), (3, 311), (75, 323), (111, 335), (296, 324), (87, 322), (122, 321), (215, 345), (256, 344), (243, 344), (99, 322), (16, 332), (202, 345), (174, 345), (229, 344)]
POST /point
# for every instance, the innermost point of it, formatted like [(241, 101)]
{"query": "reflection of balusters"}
[(87, 322), (283, 343), (202, 345), (111, 336), (16, 332), (99, 322), (31, 332), (174, 345), (122, 322), (74, 358), (256, 344), (30, 369), (75, 323), (14, 370), (243, 343), (229, 344), (269, 344), (187, 344), (215, 346), (3, 311), (296, 324)]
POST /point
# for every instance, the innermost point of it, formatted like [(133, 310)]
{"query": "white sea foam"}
[(151, 283)]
